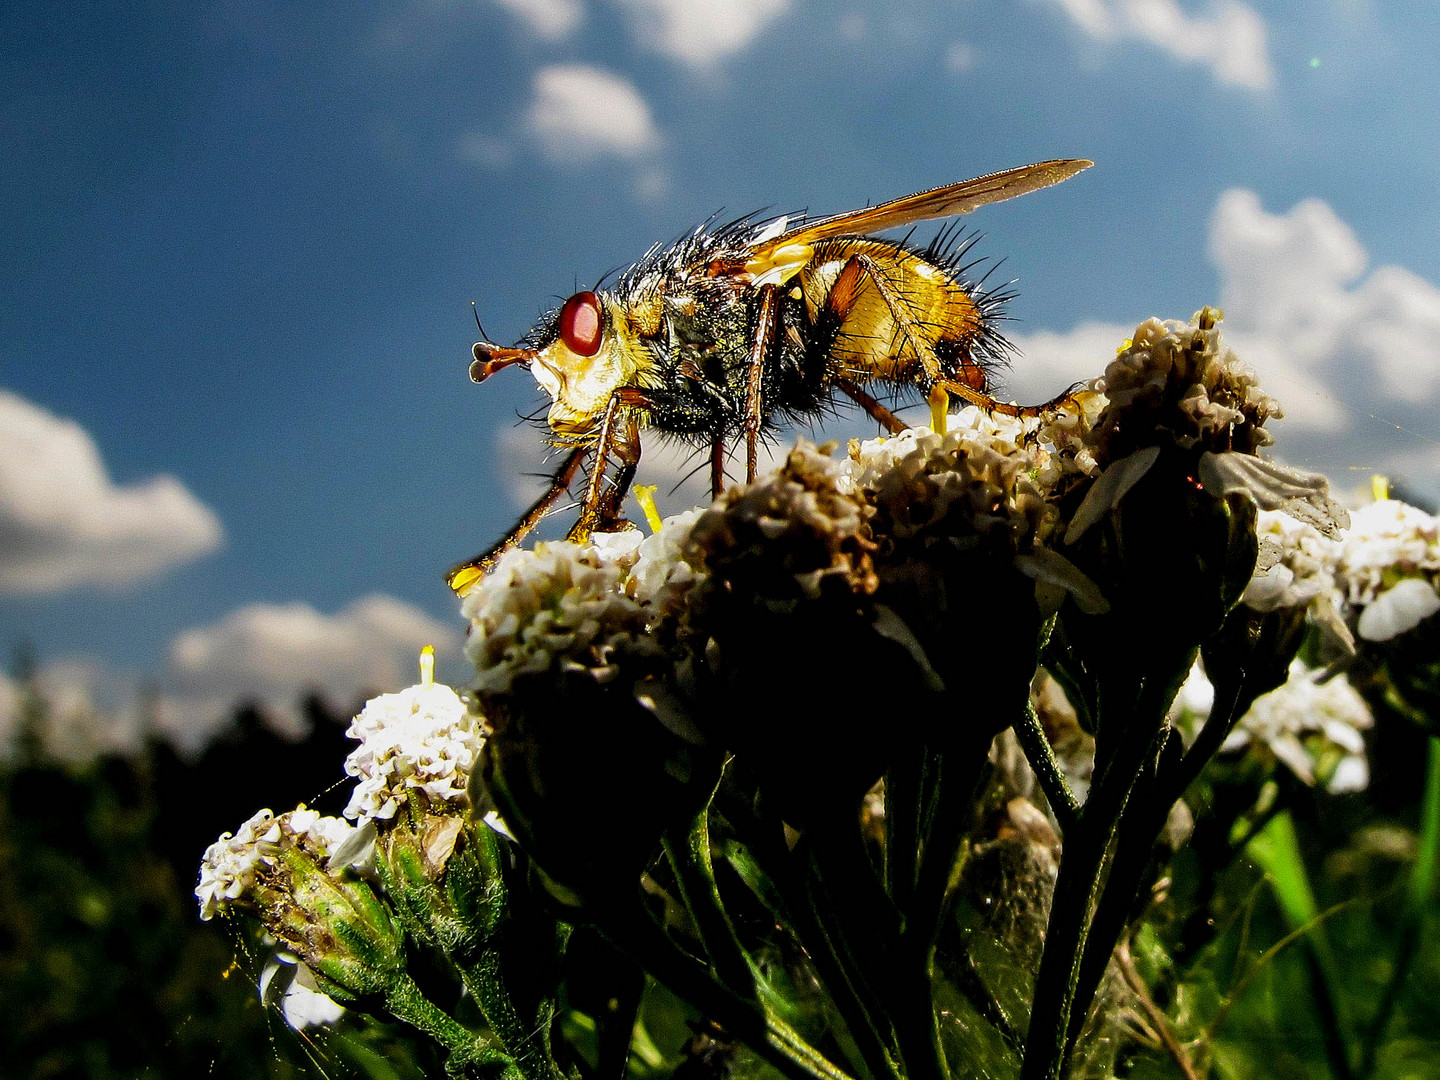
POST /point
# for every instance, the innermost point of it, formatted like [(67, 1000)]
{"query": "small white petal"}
[(1352, 774), (357, 849), (496, 822), (890, 625), (1304, 496), (1400, 608), (1106, 492), (1052, 568), (1268, 591), (1292, 752), (305, 1005)]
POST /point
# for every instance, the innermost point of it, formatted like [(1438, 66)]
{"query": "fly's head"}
[(580, 355)]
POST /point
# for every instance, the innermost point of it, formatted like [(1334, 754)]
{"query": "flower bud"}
[(279, 869), (1180, 385), (445, 872)]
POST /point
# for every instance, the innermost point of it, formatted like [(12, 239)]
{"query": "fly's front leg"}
[(467, 573), (619, 433), (627, 447)]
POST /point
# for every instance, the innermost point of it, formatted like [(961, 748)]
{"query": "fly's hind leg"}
[(830, 323), (886, 418), (461, 577), (942, 387)]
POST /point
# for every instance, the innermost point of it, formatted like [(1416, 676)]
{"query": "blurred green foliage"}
[(105, 969), (1301, 941)]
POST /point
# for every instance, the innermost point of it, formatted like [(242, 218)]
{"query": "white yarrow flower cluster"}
[(561, 604), (1183, 380), (1390, 567), (420, 739), (1313, 725), (1296, 569), (791, 536), (981, 462), (619, 548), (998, 472), (1296, 566), (231, 865), (971, 430)]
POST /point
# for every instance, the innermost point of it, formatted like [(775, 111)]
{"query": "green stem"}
[(1426, 873), (466, 1049), (1139, 781), (1083, 864), (1047, 770), (465, 935), (767, 864), (484, 979), (1232, 699), (960, 769), (892, 956), (857, 1001), (689, 852), (1141, 821), (904, 784)]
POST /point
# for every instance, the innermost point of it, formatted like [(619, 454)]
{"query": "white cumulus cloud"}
[(65, 524), (548, 19), (275, 654), (1296, 281), (700, 32), (1229, 39), (580, 113)]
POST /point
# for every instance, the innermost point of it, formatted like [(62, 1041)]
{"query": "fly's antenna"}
[(474, 310)]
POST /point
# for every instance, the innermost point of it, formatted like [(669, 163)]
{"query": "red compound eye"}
[(580, 324)]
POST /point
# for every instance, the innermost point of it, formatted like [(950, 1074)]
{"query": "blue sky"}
[(238, 446)]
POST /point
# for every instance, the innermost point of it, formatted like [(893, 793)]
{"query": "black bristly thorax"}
[(701, 351)]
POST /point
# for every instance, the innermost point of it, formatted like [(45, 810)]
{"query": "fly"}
[(717, 338)]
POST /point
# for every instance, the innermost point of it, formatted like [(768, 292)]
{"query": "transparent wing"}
[(938, 202)]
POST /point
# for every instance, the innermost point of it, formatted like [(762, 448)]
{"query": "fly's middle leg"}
[(618, 434), (760, 350)]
